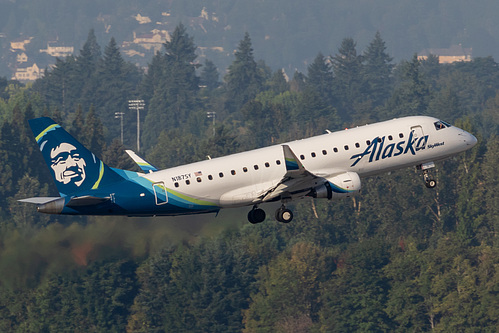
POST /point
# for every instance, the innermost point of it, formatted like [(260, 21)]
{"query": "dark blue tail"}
[(74, 167)]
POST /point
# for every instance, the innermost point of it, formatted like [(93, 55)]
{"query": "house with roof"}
[(154, 40), (27, 73), (56, 50), (20, 44), (21, 58), (446, 56)]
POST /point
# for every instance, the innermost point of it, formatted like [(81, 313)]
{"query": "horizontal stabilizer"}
[(39, 200), (143, 164), (86, 200)]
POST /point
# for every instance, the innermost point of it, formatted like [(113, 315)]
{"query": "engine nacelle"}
[(340, 186)]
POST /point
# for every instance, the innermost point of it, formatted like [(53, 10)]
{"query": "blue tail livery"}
[(328, 166), (74, 167)]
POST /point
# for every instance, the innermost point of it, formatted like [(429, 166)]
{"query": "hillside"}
[(286, 33)]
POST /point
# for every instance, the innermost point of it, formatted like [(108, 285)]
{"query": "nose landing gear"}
[(429, 181)]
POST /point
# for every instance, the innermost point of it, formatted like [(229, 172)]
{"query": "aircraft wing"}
[(142, 163), (296, 179)]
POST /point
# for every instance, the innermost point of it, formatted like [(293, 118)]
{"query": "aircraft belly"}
[(245, 195)]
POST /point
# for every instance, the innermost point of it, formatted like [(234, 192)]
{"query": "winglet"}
[(293, 164), (142, 163)]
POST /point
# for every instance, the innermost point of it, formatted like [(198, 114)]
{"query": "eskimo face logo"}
[(67, 164)]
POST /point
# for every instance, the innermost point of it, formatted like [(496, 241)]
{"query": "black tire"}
[(431, 183), (256, 215), (284, 215)]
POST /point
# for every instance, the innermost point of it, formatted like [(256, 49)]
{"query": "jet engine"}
[(340, 186)]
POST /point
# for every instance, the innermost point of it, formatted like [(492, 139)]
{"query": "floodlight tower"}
[(213, 115), (137, 104), (120, 116)]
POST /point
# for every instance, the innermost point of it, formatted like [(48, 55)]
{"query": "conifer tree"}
[(347, 70), (209, 75), (90, 55), (93, 133), (377, 71), (175, 85), (320, 78), (243, 79)]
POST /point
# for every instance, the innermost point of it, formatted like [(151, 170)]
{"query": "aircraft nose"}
[(469, 139)]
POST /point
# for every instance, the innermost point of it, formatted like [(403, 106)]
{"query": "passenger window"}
[(210, 177), (198, 179), (221, 174), (390, 137), (302, 157), (312, 154), (368, 142), (233, 172), (278, 162), (346, 147), (187, 182), (255, 166), (335, 149), (379, 139), (357, 145), (401, 135), (267, 164), (324, 152), (176, 184), (245, 169)]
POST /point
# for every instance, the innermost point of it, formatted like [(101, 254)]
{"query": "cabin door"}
[(417, 132), (160, 194)]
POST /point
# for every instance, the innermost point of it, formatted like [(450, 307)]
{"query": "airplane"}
[(328, 166)]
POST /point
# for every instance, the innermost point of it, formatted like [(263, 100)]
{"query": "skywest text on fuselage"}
[(376, 151)]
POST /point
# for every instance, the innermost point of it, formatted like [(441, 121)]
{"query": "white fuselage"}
[(241, 179)]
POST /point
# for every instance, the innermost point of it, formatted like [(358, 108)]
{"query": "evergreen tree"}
[(209, 75), (175, 86), (93, 133), (377, 71), (90, 55), (320, 78), (243, 79), (412, 93), (347, 69), (78, 122)]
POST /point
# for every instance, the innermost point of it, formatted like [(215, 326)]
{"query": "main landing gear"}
[(257, 215), (283, 214), (429, 181)]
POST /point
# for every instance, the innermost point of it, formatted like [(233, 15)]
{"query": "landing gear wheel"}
[(428, 181), (431, 183), (256, 215), (284, 215)]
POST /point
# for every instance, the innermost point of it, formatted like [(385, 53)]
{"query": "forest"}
[(398, 257)]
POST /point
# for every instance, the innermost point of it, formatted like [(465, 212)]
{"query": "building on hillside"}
[(153, 41), (20, 44), (58, 50), (446, 56), (27, 73), (21, 58)]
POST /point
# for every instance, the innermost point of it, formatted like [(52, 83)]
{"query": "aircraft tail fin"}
[(74, 168)]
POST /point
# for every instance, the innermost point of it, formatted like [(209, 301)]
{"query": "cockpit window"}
[(441, 124)]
